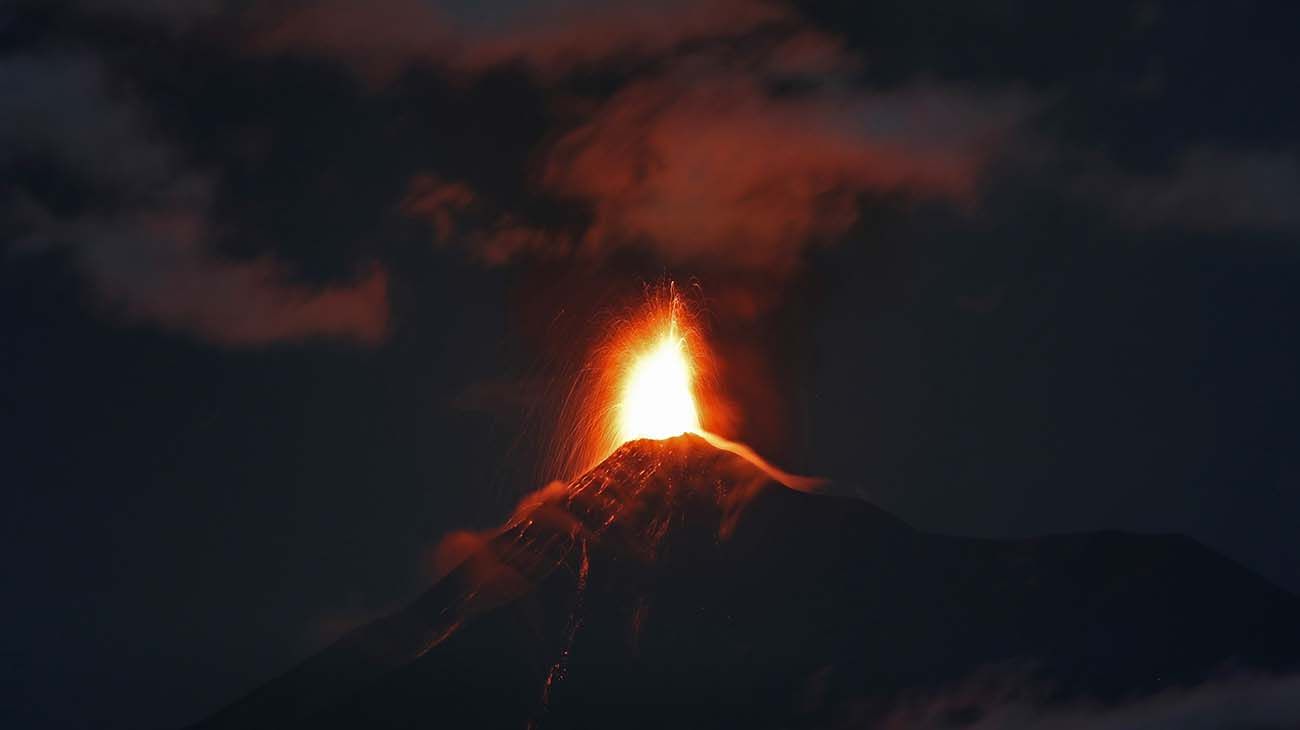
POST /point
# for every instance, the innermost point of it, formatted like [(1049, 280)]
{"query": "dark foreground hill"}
[(676, 585)]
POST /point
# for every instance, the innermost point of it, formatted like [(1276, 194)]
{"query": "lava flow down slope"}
[(677, 584)]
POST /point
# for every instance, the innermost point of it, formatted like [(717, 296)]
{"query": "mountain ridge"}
[(677, 580)]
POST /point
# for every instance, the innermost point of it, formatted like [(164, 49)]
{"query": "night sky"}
[(291, 290)]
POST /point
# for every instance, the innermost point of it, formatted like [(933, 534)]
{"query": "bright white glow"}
[(657, 401)]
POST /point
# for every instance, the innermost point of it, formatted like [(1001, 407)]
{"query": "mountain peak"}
[(679, 583)]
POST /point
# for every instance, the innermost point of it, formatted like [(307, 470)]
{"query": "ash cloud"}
[(738, 142), (705, 162), (726, 138)]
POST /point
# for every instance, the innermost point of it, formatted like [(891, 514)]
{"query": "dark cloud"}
[(147, 251), (379, 38), (459, 218), (741, 143), (176, 14), (1211, 190), (155, 267), (1259, 703)]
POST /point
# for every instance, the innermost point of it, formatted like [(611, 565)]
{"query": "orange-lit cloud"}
[(437, 201), (493, 237), (732, 138), (736, 138), (708, 163), (457, 546)]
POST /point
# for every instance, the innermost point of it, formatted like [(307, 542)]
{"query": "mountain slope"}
[(677, 583)]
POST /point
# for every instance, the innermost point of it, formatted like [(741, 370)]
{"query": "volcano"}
[(678, 585)]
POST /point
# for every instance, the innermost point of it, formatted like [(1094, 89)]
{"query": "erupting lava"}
[(657, 400), (653, 377)]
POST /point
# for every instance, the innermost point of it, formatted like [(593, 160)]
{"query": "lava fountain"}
[(650, 379), (647, 376), (657, 399)]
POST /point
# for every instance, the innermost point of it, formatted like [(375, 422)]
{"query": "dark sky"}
[(291, 290)]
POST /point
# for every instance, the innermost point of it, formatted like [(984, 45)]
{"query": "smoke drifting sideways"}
[(727, 138), (729, 134)]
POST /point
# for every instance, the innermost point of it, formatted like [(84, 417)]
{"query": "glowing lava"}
[(652, 376), (656, 400)]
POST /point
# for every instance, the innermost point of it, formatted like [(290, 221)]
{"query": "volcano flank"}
[(677, 585)]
